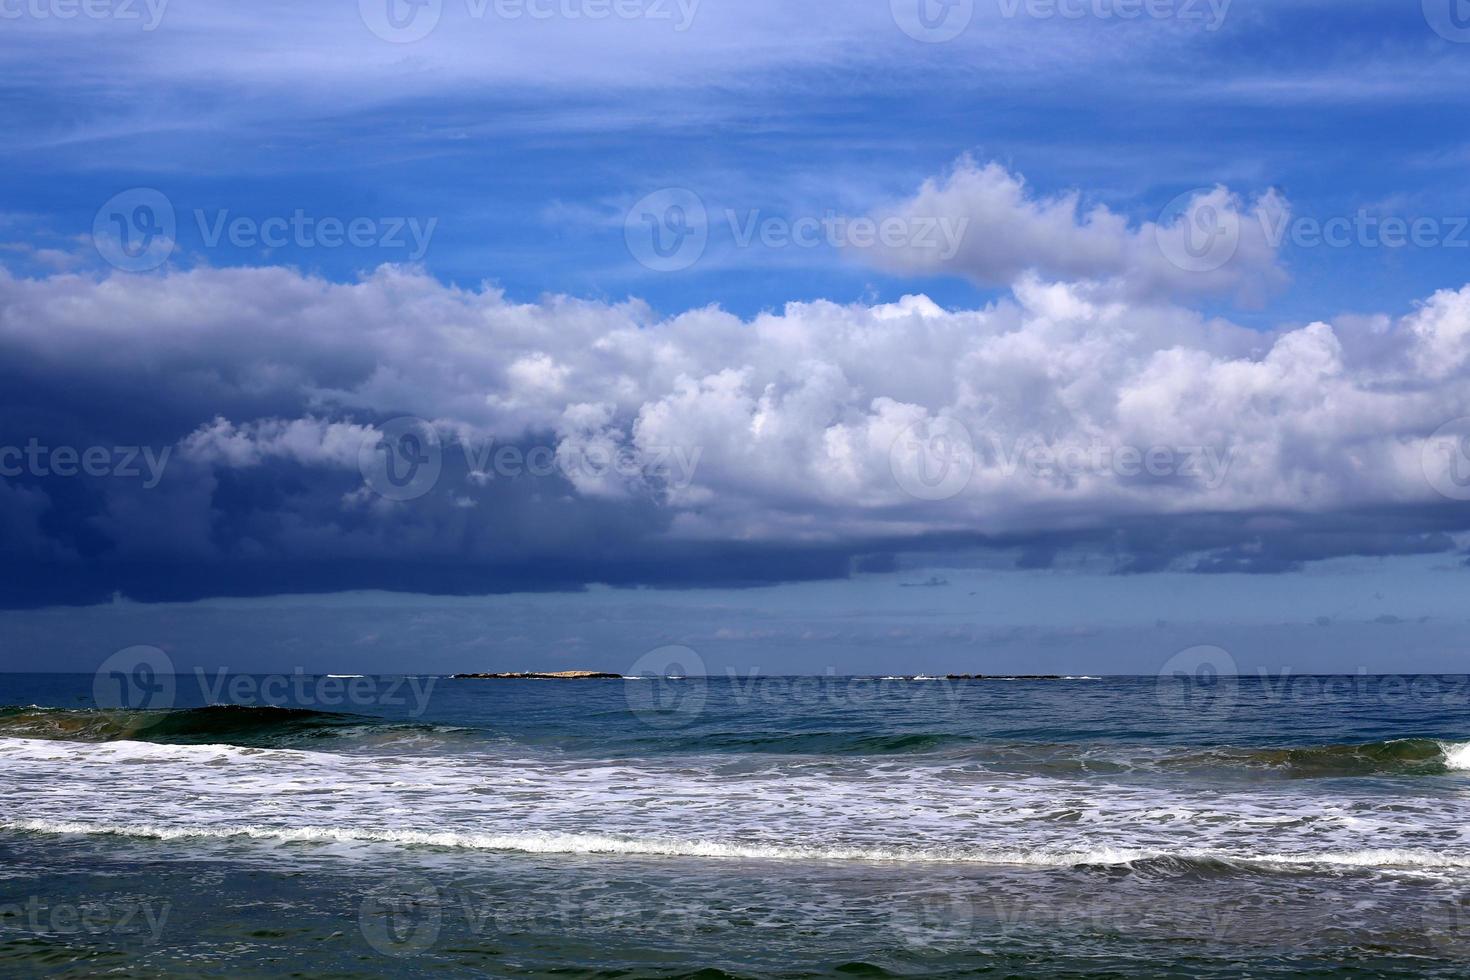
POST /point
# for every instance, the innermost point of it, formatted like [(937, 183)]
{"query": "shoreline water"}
[(931, 828)]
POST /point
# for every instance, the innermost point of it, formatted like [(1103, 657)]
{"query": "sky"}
[(879, 336)]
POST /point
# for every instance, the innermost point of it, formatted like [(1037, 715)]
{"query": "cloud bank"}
[(576, 441)]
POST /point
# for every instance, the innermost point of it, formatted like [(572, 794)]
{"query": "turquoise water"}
[(736, 826)]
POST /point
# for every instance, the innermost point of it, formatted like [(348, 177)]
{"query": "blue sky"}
[(496, 167), (528, 162)]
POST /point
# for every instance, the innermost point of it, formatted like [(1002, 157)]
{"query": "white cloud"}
[(1209, 242), (795, 415), (307, 440), (1441, 328)]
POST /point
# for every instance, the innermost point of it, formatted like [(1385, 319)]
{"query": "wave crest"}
[(262, 726), (1185, 861)]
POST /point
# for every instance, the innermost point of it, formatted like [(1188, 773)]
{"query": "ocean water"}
[(736, 826)]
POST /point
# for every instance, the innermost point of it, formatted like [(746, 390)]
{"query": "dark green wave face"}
[(215, 723), (274, 726), (258, 726), (1400, 756)]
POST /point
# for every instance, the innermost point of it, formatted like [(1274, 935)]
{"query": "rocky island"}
[(1004, 677), (533, 675)]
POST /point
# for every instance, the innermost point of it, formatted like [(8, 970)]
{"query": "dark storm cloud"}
[(221, 432)]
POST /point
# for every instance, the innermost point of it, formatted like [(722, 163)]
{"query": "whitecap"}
[(1456, 754)]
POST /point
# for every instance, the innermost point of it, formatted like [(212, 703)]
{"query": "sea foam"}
[(594, 844), (1456, 754)]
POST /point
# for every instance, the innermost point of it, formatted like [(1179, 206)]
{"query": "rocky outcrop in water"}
[(1003, 677), (533, 675)]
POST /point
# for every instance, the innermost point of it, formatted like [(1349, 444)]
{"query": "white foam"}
[(776, 808), (562, 843), (1456, 754), (588, 844), (132, 751)]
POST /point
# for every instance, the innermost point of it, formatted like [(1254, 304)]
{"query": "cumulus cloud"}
[(798, 443), (1441, 329), (1206, 241), (307, 440)]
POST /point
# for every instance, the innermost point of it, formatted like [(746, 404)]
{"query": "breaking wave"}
[(253, 726), (1183, 861)]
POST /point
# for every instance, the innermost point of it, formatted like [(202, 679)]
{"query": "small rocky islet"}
[(534, 675)]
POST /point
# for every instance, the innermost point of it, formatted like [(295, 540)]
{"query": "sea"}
[(734, 826)]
